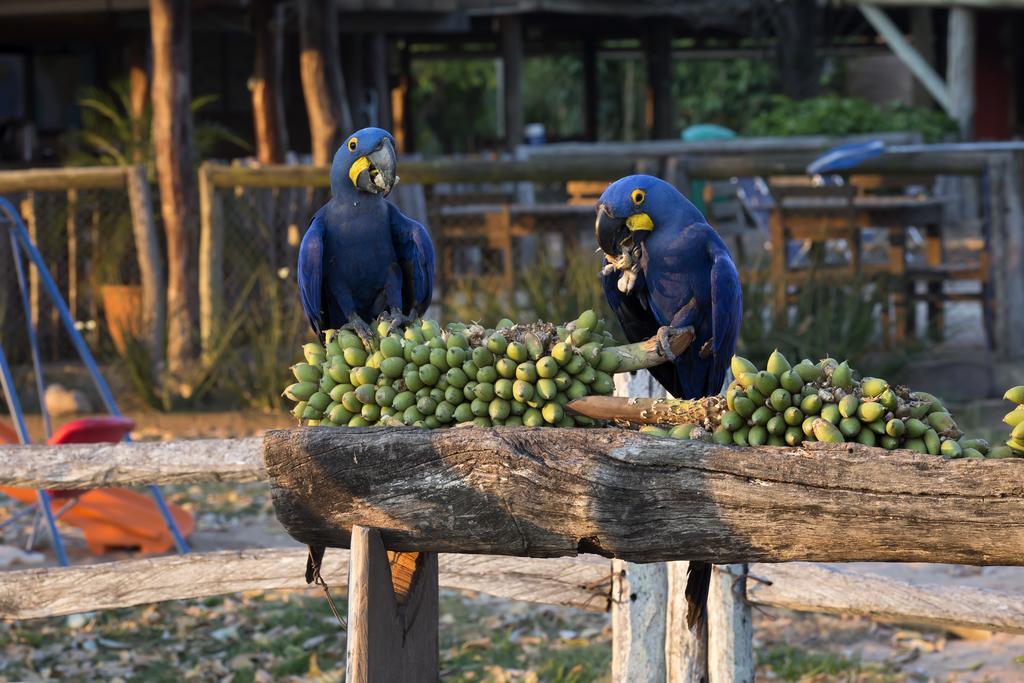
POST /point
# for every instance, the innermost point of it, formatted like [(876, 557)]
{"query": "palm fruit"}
[(791, 382), (503, 389), (848, 406), (915, 428), (869, 412), (980, 445), (354, 356), (873, 387), (527, 372), (534, 346), (722, 436), (586, 321), (811, 405), (830, 413), (608, 361), (807, 426), (780, 399), (895, 428), (455, 357), (487, 374), (740, 365), (1014, 417), (463, 413), (300, 391), (744, 406), (867, 437), (793, 436), (393, 367), (1018, 432), (552, 412), (757, 436), (842, 376), (951, 449), (314, 353), (747, 379), (916, 445), (776, 425), (931, 442), (808, 371), (941, 422), (756, 396), (305, 372), (681, 431), (651, 430), (497, 344), (850, 426), (547, 367), (562, 352), (766, 382), (793, 416), (1015, 395), (739, 437), (1000, 452), (777, 364), (762, 415), (826, 431), (299, 409), (972, 453)]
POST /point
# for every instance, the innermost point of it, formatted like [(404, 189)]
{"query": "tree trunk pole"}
[(138, 84), (322, 82), (170, 22), (267, 103), (659, 79), (960, 61), (512, 59)]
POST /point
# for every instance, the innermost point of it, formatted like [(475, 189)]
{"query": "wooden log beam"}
[(82, 466), (548, 493), (269, 128), (582, 583), (61, 179)]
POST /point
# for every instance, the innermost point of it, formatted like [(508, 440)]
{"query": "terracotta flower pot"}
[(122, 307)]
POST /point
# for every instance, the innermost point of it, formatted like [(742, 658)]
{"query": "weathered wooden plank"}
[(822, 588), (81, 466), (60, 179), (1006, 181), (548, 493), (147, 249), (211, 257), (392, 636), (730, 627), (582, 583)]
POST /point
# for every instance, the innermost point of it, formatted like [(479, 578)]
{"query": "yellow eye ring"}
[(352, 144), (638, 196)]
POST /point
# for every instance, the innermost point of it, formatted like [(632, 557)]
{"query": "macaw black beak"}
[(375, 172), (610, 231)]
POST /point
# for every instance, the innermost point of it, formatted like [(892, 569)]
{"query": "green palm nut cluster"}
[(1015, 419), (786, 404), (424, 375)]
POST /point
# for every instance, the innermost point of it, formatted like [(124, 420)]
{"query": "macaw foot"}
[(397, 318), (361, 329), (708, 349), (664, 341)]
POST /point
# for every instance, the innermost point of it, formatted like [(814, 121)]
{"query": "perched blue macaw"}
[(361, 256), (668, 269)]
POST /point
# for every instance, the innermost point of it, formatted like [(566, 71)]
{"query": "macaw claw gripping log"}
[(361, 257)]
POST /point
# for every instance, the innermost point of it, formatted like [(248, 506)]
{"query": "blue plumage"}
[(684, 276), (361, 256)]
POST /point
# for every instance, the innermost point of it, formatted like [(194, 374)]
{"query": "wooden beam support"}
[(322, 81), (170, 22), (271, 133), (552, 493), (960, 60), (392, 619), (659, 79), (906, 53), (512, 60), (381, 82)]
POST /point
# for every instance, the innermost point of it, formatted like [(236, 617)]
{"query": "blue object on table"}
[(703, 132), (846, 157)]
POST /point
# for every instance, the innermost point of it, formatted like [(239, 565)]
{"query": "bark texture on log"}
[(88, 465), (170, 22), (550, 493), (322, 81)]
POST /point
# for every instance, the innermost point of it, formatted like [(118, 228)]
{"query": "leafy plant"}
[(112, 136), (835, 115)]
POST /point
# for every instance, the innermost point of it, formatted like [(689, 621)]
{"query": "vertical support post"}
[(403, 126), (170, 22), (1006, 185), (392, 613), (512, 59), (960, 68), (379, 66), (730, 627), (138, 88), (322, 82), (922, 37), (265, 85), (659, 79), (147, 251), (72, 228), (590, 86), (27, 209), (211, 259), (353, 69), (650, 639)]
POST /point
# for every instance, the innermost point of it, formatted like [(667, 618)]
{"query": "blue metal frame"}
[(20, 237)]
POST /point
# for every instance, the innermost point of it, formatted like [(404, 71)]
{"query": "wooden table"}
[(823, 218)]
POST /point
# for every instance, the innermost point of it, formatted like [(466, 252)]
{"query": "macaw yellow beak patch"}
[(357, 167), (639, 221)]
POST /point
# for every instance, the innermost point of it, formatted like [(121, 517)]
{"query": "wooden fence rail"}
[(581, 583)]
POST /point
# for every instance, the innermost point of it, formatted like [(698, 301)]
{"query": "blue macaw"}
[(668, 269), (361, 257)]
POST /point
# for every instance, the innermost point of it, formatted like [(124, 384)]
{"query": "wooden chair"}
[(585, 192)]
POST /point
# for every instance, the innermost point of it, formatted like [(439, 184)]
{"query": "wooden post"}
[(512, 60), (960, 68), (381, 84), (650, 639), (265, 85), (659, 79), (170, 22), (1006, 187), (392, 613), (730, 627), (138, 84), (147, 251), (353, 68), (922, 37), (72, 229), (211, 258), (322, 82), (796, 30), (27, 208), (590, 86)]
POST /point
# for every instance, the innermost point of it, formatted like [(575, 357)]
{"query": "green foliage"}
[(835, 115), (112, 136), (555, 95), (789, 663), (454, 104), (722, 92)]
